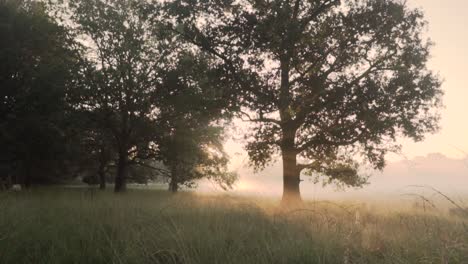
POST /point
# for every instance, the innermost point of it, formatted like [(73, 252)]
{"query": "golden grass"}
[(56, 225)]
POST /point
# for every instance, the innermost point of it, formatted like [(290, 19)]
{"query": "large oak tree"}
[(329, 83)]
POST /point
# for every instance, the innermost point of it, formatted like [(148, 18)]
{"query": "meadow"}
[(60, 225)]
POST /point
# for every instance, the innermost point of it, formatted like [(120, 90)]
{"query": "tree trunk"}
[(102, 177), (102, 168), (9, 182), (291, 178), (291, 172), (26, 177), (121, 177), (174, 184)]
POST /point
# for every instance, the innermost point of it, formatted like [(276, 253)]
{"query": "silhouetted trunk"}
[(122, 167), (102, 177), (291, 172), (6, 183), (26, 177), (174, 184), (291, 178), (102, 168), (9, 182)]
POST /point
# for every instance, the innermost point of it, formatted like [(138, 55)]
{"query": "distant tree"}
[(147, 170), (190, 122), (125, 56), (329, 82), (194, 153), (39, 59), (94, 149)]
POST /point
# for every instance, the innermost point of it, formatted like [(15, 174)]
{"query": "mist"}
[(449, 175)]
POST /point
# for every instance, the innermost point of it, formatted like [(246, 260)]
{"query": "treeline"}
[(115, 88), (101, 90)]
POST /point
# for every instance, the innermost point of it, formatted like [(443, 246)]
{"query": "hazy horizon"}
[(399, 178)]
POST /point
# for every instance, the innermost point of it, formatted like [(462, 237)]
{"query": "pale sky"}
[(448, 28)]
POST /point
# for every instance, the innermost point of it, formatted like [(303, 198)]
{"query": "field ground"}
[(57, 225)]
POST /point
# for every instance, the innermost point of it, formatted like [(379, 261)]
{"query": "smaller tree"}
[(194, 153), (191, 138), (125, 57), (93, 147)]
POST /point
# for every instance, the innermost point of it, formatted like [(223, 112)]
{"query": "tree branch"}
[(163, 171), (261, 119)]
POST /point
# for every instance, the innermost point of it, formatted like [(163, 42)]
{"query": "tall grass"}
[(142, 226)]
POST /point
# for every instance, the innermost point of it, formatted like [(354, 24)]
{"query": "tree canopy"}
[(191, 126), (124, 59), (139, 86), (39, 61), (328, 82)]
